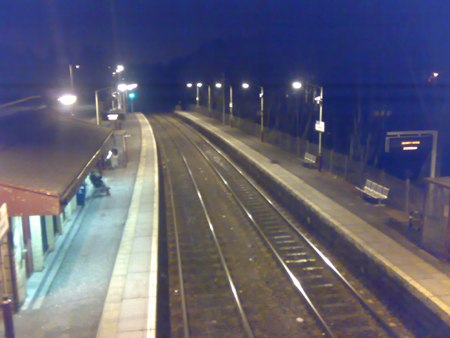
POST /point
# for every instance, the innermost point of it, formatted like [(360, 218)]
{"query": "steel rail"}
[(295, 281), (186, 331), (322, 256), (246, 326), (245, 323)]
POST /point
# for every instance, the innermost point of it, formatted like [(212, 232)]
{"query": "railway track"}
[(329, 304)]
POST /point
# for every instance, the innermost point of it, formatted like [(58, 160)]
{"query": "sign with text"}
[(4, 224), (408, 143), (320, 126)]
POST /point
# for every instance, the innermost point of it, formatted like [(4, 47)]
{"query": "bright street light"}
[(67, 99), (319, 100), (296, 85), (126, 87), (197, 97), (122, 87), (189, 85), (120, 68), (71, 74), (246, 85), (218, 85)]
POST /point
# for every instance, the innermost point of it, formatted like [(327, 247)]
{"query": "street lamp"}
[(71, 75), (119, 69), (67, 99), (320, 126), (197, 97), (220, 86), (246, 85), (209, 99), (231, 106)]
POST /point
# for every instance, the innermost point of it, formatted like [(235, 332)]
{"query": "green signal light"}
[(132, 95)]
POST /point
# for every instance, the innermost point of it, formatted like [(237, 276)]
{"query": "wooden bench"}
[(374, 191), (309, 160)]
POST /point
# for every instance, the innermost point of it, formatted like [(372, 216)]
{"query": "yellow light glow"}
[(405, 143)]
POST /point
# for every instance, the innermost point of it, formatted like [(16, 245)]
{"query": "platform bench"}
[(309, 160), (374, 191)]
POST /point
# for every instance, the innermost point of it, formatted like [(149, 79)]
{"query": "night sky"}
[(382, 51), (403, 36)]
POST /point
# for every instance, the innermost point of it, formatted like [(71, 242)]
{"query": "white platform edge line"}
[(153, 276)]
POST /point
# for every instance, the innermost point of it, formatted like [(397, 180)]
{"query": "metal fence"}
[(403, 195)]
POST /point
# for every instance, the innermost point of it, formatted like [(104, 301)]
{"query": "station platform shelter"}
[(46, 158)]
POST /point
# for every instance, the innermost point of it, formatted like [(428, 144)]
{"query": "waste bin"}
[(114, 158), (81, 194)]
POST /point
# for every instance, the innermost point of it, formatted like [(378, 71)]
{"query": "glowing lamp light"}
[(245, 85), (199, 84), (189, 85), (218, 85), (296, 85), (120, 68), (122, 87), (67, 99)]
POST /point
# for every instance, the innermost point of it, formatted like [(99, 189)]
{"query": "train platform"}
[(102, 280), (130, 305), (361, 229)]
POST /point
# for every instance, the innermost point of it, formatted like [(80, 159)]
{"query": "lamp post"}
[(97, 104), (245, 85), (320, 127), (209, 99), (231, 106), (118, 71), (189, 85), (71, 75), (197, 98), (219, 86)]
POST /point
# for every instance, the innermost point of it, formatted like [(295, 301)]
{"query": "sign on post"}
[(4, 224), (320, 126)]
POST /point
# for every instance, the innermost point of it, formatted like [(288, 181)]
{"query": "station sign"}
[(4, 224), (408, 143), (320, 126)]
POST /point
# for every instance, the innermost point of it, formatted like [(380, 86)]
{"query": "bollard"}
[(8, 317)]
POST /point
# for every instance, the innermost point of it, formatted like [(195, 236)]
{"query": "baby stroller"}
[(100, 188)]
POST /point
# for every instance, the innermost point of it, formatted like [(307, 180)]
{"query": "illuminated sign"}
[(408, 143)]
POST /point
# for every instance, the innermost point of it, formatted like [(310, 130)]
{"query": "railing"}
[(404, 195)]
